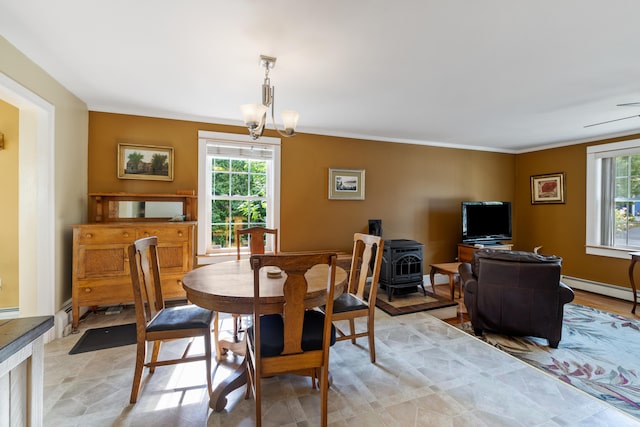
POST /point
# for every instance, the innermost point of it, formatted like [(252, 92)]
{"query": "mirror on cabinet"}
[(148, 209), (125, 207)]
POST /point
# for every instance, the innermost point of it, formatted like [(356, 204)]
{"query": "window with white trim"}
[(238, 187), (613, 199)]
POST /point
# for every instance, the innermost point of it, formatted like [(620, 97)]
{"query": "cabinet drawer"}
[(164, 233), (465, 253), (172, 286), (104, 292), (97, 235)]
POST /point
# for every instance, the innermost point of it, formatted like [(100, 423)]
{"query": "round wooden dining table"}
[(227, 287)]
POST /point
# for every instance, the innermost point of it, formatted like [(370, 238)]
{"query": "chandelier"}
[(255, 115)]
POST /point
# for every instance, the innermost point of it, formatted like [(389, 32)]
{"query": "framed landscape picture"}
[(145, 162), (346, 184), (548, 188)]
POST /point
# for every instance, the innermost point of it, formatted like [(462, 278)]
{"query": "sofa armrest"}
[(566, 294), (467, 278)]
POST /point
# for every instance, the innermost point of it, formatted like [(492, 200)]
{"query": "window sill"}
[(205, 259), (610, 252)]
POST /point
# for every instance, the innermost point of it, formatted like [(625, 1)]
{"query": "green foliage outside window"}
[(239, 189)]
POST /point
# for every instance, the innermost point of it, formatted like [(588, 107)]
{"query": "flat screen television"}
[(486, 222)]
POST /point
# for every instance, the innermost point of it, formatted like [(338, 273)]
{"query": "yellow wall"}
[(9, 213), (561, 228), (415, 190)]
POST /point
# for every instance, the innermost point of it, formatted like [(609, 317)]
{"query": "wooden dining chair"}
[(356, 302), (256, 242), (157, 323), (296, 340), (256, 237)]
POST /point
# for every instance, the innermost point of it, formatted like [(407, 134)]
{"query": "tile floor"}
[(427, 373)]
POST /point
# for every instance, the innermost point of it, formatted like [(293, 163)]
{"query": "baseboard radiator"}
[(599, 288), (62, 320)]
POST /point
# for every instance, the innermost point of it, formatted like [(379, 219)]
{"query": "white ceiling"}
[(504, 75)]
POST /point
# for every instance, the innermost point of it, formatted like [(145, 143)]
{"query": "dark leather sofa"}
[(515, 293)]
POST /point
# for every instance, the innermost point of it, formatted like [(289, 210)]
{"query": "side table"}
[(451, 270), (635, 257)]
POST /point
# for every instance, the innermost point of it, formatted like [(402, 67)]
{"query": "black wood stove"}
[(401, 271)]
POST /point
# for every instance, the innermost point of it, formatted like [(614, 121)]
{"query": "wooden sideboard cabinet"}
[(101, 263), (465, 251)]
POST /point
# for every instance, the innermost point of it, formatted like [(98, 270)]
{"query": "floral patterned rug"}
[(599, 354)]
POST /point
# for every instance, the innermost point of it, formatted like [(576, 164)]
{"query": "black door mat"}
[(101, 338)]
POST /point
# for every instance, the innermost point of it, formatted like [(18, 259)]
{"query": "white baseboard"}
[(599, 288), (438, 278), (9, 312)]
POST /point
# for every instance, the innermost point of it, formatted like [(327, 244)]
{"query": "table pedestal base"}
[(237, 379)]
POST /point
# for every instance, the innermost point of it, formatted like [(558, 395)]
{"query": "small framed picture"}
[(548, 188), (346, 184), (150, 162)]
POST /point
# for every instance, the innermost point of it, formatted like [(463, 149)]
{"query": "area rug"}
[(438, 306), (599, 354), (108, 337)]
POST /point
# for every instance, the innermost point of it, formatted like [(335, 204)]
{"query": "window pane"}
[(239, 184), (622, 187), (627, 202), (257, 166), (244, 240), (239, 212), (258, 185), (258, 213), (221, 164), (221, 184), (220, 211), (621, 222), (219, 236), (622, 165), (634, 178), (239, 165)]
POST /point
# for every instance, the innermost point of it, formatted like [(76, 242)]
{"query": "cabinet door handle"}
[(179, 233), (89, 235), (87, 290), (146, 234), (125, 234)]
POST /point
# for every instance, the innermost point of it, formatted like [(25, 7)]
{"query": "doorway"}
[(36, 206)]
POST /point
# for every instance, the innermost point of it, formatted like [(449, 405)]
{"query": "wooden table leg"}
[(432, 275), (452, 286), (634, 258)]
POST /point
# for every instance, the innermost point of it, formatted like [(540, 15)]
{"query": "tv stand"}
[(465, 250)]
